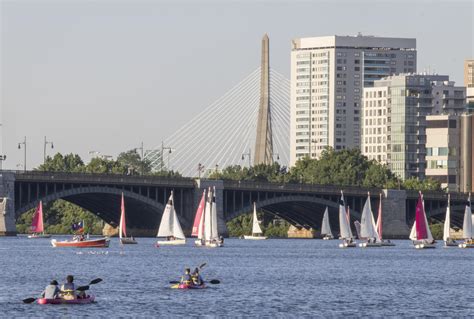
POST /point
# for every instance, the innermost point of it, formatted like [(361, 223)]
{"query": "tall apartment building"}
[(469, 81), (328, 75), (403, 102), (449, 151)]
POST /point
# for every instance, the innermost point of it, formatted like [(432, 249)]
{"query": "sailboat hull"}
[(369, 245), (421, 245), (128, 241), (327, 238), (450, 244), (255, 237), (467, 244), (387, 244), (347, 245), (173, 242)]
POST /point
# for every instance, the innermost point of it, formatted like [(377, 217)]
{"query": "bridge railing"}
[(56, 176), (331, 189)]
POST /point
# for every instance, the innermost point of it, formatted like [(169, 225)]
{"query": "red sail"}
[(421, 232), (122, 218), (197, 218), (37, 223)]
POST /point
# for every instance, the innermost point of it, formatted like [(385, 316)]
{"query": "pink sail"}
[(421, 232), (123, 226), (197, 218), (379, 218), (37, 223)]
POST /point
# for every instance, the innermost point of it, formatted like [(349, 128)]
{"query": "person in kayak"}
[(186, 279), (51, 291), (197, 279), (68, 290)]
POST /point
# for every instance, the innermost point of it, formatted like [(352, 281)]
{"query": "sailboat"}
[(256, 230), (467, 226), (123, 227), (345, 229), (210, 235), (170, 226), (37, 226), (379, 225), (448, 242), (368, 230), (326, 227), (420, 232), (198, 225)]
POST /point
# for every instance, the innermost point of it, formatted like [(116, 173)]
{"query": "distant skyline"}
[(106, 75)]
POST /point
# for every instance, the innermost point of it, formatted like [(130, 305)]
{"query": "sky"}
[(107, 75)]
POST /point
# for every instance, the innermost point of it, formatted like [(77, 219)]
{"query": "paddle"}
[(213, 281), (82, 288)]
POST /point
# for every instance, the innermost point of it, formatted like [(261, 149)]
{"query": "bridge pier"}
[(219, 185), (395, 214), (7, 204)]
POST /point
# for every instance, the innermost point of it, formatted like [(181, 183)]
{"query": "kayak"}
[(59, 301), (185, 286)]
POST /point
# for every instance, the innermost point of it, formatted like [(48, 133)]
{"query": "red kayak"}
[(59, 301), (185, 286), (87, 243)]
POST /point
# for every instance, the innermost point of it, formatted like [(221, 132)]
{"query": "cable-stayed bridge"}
[(226, 129)]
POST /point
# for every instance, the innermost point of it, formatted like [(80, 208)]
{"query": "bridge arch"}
[(298, 210), (104, 202)]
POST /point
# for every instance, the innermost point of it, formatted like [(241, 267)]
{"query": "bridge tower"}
[(264, 141)]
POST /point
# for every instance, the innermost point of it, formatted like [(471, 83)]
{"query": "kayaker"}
[(68, 290), (186, 279), (51, 291), (197, 279)]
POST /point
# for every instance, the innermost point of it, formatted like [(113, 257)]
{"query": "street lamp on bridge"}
[(46, 143), (163, 147), (200, 170), (249, 155), (24, 148)]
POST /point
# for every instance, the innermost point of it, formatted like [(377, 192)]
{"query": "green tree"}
[(59, 163), (134, 164), (428, 184)]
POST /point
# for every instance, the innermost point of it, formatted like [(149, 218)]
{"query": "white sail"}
[(413, 232), (326, 227), (214, 231), (447, 221), (428, 230), (343, 224), (467, 223), (367, 224), (207, 217), (255, 225), (201, 224), (177, 230), (166, 228), (170, 225)]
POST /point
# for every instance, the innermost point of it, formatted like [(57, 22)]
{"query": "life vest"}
[(187, 279)]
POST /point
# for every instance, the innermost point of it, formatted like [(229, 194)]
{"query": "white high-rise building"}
[(328, 75), (394, 114)]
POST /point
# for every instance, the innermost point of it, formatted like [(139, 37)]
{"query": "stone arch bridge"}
[(145, 197)]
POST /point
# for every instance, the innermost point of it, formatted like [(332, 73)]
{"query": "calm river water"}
[(272, 278)]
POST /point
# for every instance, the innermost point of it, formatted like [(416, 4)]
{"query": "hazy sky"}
[(106, 75)]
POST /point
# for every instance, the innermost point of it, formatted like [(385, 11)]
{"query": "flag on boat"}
[(78, 227)]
